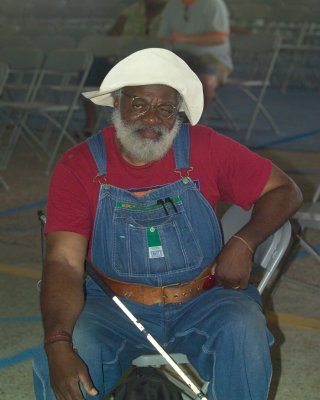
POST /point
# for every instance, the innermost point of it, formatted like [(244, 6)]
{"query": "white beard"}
[(142, 149)]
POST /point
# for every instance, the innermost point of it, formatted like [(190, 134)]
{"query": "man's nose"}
[(151, 115)]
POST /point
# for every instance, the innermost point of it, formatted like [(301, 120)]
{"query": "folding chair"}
[(110, 47), (55, 97), (308, 217), (267, 256), (254, 57), (107, 51), (25, 64)]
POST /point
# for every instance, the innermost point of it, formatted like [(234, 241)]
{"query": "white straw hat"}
[(149, 67)]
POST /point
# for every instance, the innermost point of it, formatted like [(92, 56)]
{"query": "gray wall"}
[(110, 9), (61, 8)]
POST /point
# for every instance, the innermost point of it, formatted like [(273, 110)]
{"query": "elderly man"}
[(138, 199)]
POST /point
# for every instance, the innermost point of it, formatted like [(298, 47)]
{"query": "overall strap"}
[(98, 150), (181, 148)]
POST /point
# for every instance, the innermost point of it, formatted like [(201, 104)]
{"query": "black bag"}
[(147, 383)]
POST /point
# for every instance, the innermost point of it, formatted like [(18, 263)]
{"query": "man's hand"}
[(68, 372), (233, 266)]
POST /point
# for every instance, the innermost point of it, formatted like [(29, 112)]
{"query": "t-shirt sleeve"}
[(242, 174), (218, 16), (165, 24), (68, 202)]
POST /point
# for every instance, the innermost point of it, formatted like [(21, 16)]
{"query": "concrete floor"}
[(293, 310)]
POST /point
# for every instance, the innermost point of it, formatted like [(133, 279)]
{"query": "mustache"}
[(138, 125)]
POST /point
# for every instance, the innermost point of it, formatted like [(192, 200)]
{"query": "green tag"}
[(154, 242)]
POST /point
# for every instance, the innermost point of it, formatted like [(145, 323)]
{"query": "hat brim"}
[(150, 67)]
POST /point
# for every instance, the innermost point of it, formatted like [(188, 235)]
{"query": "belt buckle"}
[(163, 295)]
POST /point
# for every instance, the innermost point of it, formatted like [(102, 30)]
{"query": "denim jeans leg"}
[(107, 342), (226, 339)]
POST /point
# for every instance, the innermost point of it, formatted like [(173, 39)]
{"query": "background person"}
[(141, 19), (140, 202), (199, 31)]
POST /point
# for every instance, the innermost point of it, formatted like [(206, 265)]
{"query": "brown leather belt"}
[(146, 294)]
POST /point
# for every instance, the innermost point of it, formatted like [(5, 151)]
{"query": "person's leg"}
[(100, 67), (212, 73), (225, 337), (107, 342), (210, 84), (91, 118), (205, 71)]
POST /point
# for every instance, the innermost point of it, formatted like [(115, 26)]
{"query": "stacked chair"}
[(51, 82)]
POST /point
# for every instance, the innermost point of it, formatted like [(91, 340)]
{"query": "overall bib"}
[(169, 235)]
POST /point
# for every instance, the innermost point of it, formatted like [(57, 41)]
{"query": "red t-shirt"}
[(223, 169)]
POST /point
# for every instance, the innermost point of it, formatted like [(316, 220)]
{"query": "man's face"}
[(146, 121)]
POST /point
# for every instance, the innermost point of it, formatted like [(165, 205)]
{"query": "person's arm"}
[(62, 300), (118, 26), (212, 38), (279, 200)]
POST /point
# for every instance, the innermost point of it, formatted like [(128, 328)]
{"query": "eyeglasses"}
[(140, 106)]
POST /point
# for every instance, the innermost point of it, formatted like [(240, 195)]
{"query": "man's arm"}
[(118, 26), (62, 300), (279, 200), (212, 38)]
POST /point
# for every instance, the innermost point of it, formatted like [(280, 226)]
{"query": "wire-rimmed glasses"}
[(140, 106)]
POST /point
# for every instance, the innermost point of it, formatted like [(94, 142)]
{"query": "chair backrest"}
[(15, 40), (64, 71), (140, 43), (255, 55), (68, 69), (107, 46), (270, 252), (50, 42), (22, 58), (4, 73), (25, 64), (68, 60)]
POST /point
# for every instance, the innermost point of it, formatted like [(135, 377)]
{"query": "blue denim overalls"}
[(169, 235)]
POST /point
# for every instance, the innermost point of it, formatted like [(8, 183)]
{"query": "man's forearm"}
[(62, 298), (207, 39), (270, 212)]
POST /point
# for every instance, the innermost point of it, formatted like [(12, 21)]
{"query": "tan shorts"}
[(206, 64)]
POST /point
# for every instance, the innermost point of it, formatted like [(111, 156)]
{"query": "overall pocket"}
[(149, 244)]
